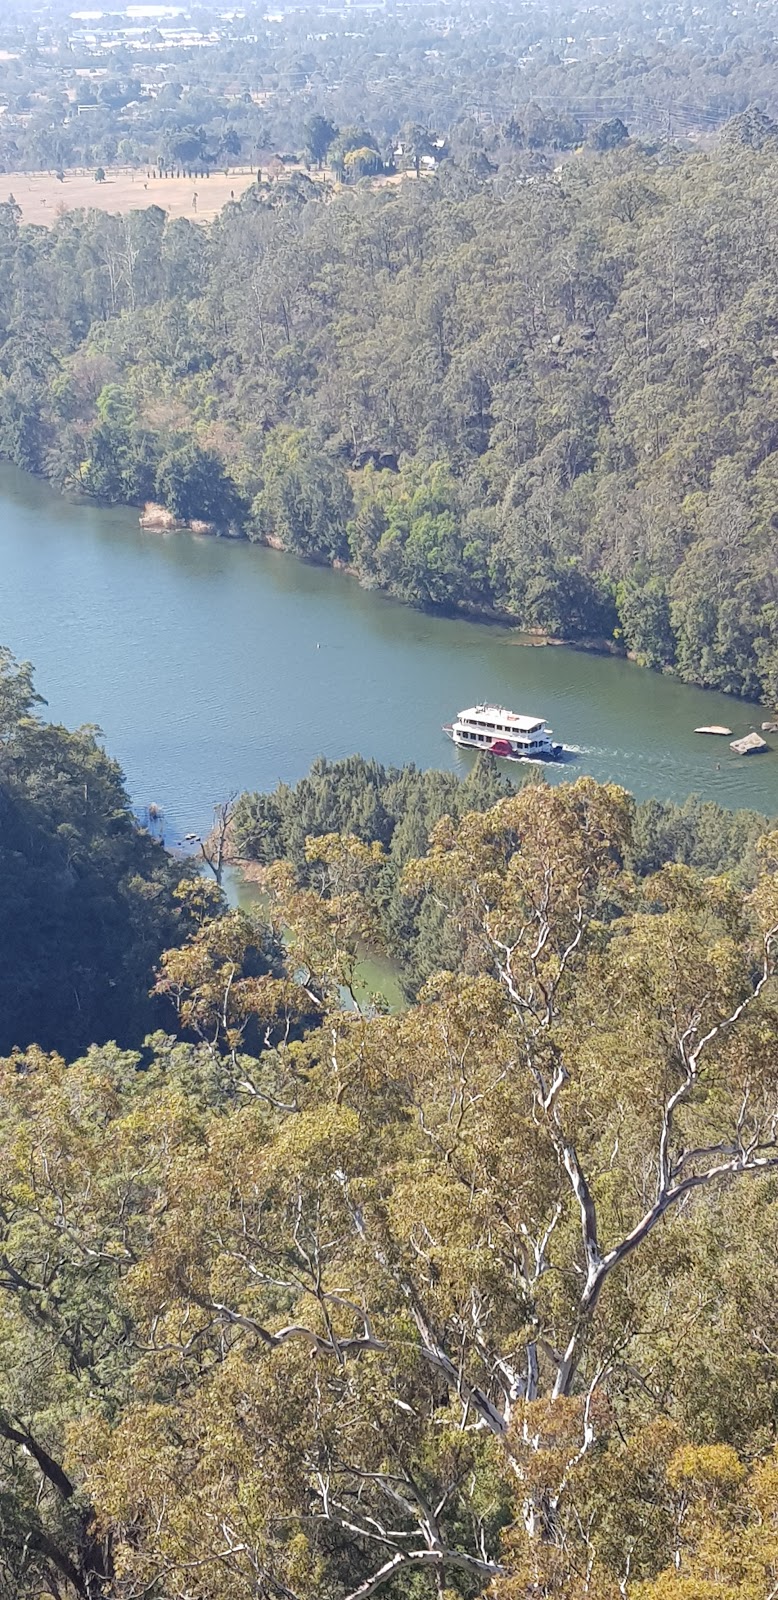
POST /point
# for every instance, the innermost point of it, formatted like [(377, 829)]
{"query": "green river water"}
[(213, 666)]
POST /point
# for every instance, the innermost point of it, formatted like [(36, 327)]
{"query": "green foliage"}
[(644, 615), (319, 134), (122, 466), (476, 391), (399, 807), (699, 834), (478, 1298), (305, 498), (608, 135), (363, 162), (394, 807), (561, 599), (411, 536), (86, 898), (193, 484)]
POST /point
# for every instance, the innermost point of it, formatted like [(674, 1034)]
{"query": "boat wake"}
[(493, 730), (568, 752)]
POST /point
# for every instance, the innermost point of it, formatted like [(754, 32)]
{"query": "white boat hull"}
[(552, 752)]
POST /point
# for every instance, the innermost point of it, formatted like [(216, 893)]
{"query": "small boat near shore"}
[(503, 733), (752, 745)]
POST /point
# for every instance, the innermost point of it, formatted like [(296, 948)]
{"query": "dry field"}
[(41, 195)]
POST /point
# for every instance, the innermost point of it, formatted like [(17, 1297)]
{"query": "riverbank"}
[(217, 665), (461, 464), (158, 518), (155, 518)]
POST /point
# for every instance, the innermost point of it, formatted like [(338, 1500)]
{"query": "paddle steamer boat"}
[(503, 733)]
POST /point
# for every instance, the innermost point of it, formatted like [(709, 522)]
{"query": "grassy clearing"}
[(42, 196)]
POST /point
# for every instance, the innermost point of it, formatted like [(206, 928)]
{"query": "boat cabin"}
[(502, 732)]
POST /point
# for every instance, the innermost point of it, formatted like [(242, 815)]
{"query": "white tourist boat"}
[(503, 733)]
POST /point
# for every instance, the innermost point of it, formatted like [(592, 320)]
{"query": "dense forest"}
[(321, 1303), (306, 1295), (549, 398), (88, 902), (397, 808)]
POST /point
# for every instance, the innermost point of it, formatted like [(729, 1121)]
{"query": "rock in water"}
[(752, 745)]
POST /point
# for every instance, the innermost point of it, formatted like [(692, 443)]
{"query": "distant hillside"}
[(553, 397)]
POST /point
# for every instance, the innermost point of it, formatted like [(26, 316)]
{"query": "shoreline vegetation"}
[(389, 1169), (249, 1224), (547, 401), (155, 518), (397, 809), (399, 1156)]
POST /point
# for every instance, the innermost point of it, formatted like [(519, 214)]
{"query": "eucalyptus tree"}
[(403, 1303)]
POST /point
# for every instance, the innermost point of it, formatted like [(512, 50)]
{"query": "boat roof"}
[(521, 724)]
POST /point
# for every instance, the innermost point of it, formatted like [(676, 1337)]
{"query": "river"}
[(213, 666)]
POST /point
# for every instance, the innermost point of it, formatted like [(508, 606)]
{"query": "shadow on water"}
[(376, 974)]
